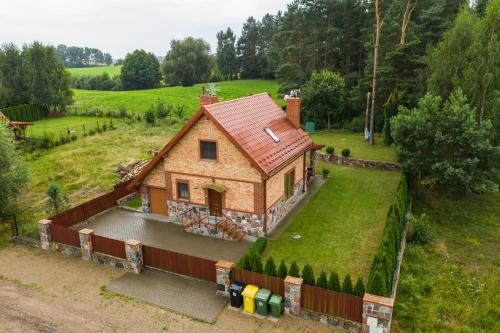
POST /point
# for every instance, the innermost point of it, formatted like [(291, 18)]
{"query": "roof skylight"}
[(272, 134)]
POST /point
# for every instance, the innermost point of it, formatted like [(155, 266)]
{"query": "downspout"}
[(265, 206), (304, 173)]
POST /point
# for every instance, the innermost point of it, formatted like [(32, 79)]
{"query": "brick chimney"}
[(293, 110), (205, 99)]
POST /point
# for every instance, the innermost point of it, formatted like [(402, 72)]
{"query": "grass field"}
[(340, 226), (60, 126), (452, 285), (340, 139), (140, 100), (94, 71)]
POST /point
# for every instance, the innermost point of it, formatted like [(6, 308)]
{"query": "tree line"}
[(74, 56)]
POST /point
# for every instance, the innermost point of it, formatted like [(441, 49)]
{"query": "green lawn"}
[(94, 71), (341, 139), (60, 126), (453, 285), (341, 225), (140, 100)]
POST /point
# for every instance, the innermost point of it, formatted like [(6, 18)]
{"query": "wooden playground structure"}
[(18, 127)]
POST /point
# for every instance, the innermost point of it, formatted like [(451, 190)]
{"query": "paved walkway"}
[(194, 298), (154, 230)]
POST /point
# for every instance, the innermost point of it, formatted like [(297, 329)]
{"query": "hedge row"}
[(26, 112), (385, 260)]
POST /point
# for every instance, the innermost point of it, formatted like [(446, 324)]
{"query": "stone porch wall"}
[(280, 208), (355, 162)]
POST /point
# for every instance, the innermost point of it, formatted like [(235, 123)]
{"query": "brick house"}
[(236, 168)]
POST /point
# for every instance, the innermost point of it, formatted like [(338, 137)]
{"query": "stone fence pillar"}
[(223, 275), (44, 231), (377, 313), (293, 295), (86, 243), (133, 249)]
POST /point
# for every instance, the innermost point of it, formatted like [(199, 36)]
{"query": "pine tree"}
[(282, 270), (226, 54), (359, 288), (322, 281), (347, 285), (270, 267), (294, 270), (334, 282), (257, 264), (308, 275)]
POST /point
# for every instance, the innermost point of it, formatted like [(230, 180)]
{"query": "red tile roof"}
[(244, 119)]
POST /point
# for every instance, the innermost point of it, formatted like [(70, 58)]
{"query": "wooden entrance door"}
[(214, 203), (158, 199)]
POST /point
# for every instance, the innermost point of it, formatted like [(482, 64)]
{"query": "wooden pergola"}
[(17, 127)]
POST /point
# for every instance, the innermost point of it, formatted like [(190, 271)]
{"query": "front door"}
[(158, 198), (214, 203)]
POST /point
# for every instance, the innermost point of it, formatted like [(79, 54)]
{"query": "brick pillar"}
[(133, 249), (223, 275), (145, 199), (377, 313), (86, 243), (293, 295), (44, 231)]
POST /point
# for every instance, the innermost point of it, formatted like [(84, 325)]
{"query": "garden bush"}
[(149, 116), (257, 263), (270, 267), (359, 288), (347, 285), (334, 282), (282, 270), (419, 230), (322, 281), (346, 152), (73, 137), (258, 247), (330, 150), (294, 270), (308, 275)]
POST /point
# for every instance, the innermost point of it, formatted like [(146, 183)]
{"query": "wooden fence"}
[(90, 208), (275, 284), (64, 235), (333, 303), (112, 247), (179, 263)]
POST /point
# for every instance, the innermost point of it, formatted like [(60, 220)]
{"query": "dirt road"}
[(49, 292)]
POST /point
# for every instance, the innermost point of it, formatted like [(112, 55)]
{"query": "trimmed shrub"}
[(257, 264), (359, 288), (322, 281), (270, 267), (246, 262), (347, 285), (308, 275), (258, 247), (378, 285), (330, 150), (334, 282), (325, 172), (419, 231), (294, 270), (346, 152), (282, 270)]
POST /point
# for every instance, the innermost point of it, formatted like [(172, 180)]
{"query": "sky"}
[(121, 26)]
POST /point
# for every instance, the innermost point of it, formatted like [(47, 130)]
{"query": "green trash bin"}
[(261, 301), (276, 306)]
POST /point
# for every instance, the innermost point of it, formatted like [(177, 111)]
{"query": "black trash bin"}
[(235, 291)]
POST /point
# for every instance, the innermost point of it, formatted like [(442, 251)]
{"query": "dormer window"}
[(272, 134), (208, 150)]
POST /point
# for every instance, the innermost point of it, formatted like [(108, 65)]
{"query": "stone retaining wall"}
[(355, 162)]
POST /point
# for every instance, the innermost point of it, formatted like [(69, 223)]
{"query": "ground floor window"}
[(183, 190), (289, 182)]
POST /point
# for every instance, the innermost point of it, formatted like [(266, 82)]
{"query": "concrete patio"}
[(155, 230)]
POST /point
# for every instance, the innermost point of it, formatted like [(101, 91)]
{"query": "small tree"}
[(347, 285), (322, 280), (359, 288), (140, 70), (334, 282), (270, 267), (257, 264), (57, 200), (180, 111), (149, 116), (308, 275), (282, 270), (247, 262), (377, 285), (294, 270)]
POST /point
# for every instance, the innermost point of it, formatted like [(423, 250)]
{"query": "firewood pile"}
[(131, 169)]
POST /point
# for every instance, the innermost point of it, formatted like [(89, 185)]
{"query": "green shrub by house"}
[(258, 247), (308, 275), (334, 282), (322, 281), (294, 270), (346, 152), (359, 288), (270, 267), (347, 285), (330, 150), (282, 270), (385, 259)]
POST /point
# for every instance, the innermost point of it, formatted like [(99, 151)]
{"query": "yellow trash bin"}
[(249, 298)]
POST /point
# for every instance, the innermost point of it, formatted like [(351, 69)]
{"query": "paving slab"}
[(191, 297)]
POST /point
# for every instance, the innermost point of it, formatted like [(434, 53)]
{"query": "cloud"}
[(120, 26)]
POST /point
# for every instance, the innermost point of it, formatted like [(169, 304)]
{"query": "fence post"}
[(86, 243), (293, 295), (133, 249), (377, 313), (223, 276), (44, 231)]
